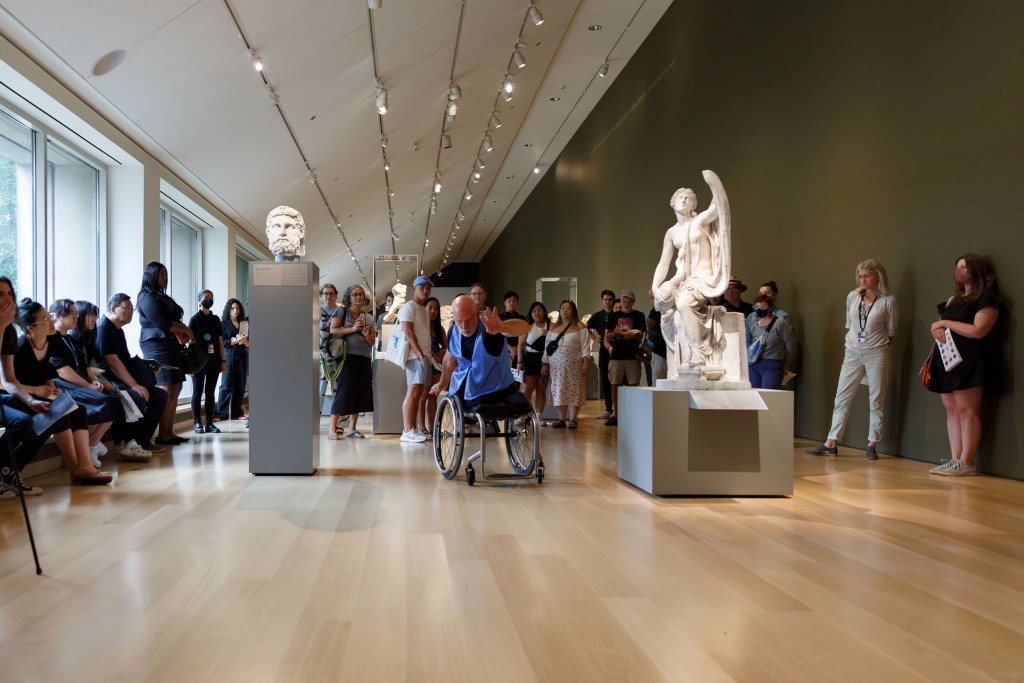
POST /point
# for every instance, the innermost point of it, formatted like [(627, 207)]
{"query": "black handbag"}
[(553, 345), (194, 358), (142, 371)]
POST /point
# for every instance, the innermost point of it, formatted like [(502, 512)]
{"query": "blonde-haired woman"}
[(871, 318)]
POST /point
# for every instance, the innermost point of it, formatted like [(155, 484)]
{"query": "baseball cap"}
[(422, 280), (627, 292)]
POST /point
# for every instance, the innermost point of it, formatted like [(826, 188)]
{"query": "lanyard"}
[(71, 347), (862, 315)]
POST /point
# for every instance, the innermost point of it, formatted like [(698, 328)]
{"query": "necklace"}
[(38, 348)]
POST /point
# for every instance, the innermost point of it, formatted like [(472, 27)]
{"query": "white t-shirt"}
[(416, 314), (871, 326)]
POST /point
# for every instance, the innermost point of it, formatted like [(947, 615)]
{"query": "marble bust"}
[(398, 292), (694, 330), (286, 234)]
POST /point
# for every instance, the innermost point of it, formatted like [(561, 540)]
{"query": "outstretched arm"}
[(447, 368)]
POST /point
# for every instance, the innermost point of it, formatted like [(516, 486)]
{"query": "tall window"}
[(73, 225), (242, 281), (180, 252), (17, 238)]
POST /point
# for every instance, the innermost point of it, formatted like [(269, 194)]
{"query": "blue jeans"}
[(766, 373)]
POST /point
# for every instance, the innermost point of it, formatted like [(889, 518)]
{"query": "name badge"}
[(861, 338), (209, 349)]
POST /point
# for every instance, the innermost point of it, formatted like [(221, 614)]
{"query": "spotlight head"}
[(495, 122), (373, 4), (535, 16), (603, 70), (446, 141), (454, 91), (468, 195), (518, 59), (257, 63), (381, 99), (488, 143), (506, 95), (452, 109)]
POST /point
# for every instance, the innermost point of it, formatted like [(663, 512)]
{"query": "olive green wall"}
[(841, 131)]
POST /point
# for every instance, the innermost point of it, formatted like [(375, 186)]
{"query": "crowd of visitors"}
[(75, 357)]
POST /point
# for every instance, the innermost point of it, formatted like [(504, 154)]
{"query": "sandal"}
[(558, 424), (333, 436), (354, 434), (571, 424)]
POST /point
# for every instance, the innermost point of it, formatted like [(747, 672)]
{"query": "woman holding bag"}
[(566, 360), (355, 383), (770, 345), (969, 316)]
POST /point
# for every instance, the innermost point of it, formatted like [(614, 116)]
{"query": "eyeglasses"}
[(45, 321), (960, 268), (126, 308)]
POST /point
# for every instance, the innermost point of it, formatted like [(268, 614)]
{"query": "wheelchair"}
[(521, 436)]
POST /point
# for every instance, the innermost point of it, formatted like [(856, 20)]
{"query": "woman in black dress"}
[(355, 388), (163, 333), (236, 360), (969, 316), (36, 376), (207, 331), (529, 351)]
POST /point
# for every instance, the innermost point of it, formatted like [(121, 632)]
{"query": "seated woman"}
[(530, 351), (103, 408), (32, 372)]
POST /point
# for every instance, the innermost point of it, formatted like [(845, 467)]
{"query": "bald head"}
[(465, 315)]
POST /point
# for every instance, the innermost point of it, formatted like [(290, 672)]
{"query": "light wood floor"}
[(377, 569)]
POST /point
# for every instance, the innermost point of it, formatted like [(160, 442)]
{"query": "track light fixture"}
[(506, 95), (536, 169), (257, 63), (508, 84), (446, 141), (452, 109), (495, 123), (387, 166), (535, 16), (383, 140), (394, 236), (476, 176), (603, 70), (518, 59), (461, 216), (468, 195), (373, 4), (454, 91), (479, 163), (488, 143), (381, 99), (312, 177), (437, 182)]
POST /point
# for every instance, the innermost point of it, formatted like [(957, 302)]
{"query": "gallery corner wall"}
[(841, 131)]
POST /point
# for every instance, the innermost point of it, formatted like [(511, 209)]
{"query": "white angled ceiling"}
[(188, 93)]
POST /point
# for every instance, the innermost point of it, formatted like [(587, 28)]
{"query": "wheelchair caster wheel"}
[(540, 474), (470, 475)]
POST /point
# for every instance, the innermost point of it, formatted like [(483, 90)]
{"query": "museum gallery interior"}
[(534, 146)]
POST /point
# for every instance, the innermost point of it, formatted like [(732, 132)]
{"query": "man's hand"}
[(141, 391), (435, 390), (491, 321)]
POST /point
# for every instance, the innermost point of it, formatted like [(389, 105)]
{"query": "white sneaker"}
[(603, 416), (412, 437), (94, 455), (957, 468), (944, 465), (101, 450)]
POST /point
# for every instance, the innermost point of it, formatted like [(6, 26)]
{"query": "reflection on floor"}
[(377, 569)]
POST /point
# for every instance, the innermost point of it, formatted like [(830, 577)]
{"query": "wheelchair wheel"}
[(448, 436), (520, 441)]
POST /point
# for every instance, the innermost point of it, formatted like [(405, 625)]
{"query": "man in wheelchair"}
[(476, 367)]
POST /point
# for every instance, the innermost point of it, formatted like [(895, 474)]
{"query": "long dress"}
[(566, 368)]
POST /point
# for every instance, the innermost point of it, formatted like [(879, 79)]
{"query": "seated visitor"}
[(127, 373), (33, 372), (477, 368)]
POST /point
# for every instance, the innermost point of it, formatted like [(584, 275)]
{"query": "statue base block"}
[(701, 384), (672, 443)]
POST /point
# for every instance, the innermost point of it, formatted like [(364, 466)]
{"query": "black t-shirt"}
[(66, 353), (207, 331), (31, 370), (10, 342), (511, 315), (624, 348), (110, 341), (657, 338), (744, 308), (598, 323), (493, 343)]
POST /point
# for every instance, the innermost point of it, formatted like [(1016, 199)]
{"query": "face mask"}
[(207, 303), (762, 312)]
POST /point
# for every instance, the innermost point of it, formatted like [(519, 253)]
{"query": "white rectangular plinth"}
[(667, 448)]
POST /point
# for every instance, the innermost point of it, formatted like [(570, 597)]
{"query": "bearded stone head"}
[(286, 233)]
